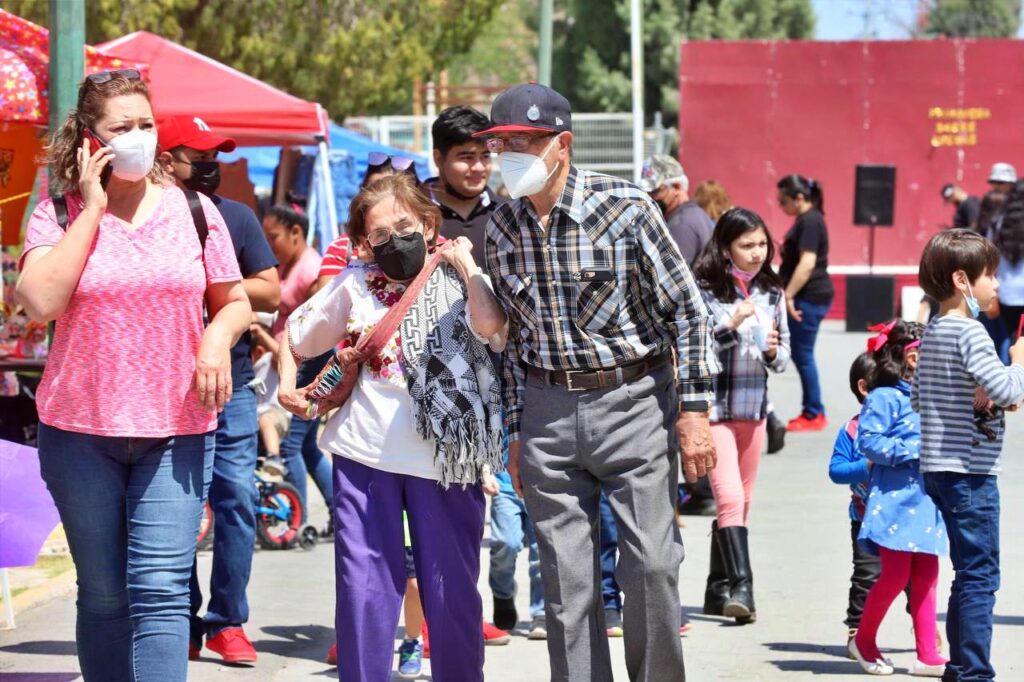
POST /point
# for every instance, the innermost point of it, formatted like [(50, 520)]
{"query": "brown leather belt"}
[(594, 379)]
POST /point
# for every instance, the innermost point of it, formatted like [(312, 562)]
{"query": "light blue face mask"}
[(972, 303)]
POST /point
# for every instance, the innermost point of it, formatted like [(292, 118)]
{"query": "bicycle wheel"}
[(204, 540), (279, 516)]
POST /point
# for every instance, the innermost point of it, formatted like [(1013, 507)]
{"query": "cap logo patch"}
[(559, 121), (201, 124), (533, 113)]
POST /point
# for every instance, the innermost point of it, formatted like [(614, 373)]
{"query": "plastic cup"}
[(760, 337)]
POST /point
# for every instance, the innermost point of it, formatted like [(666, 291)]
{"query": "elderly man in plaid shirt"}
[(598, 299)]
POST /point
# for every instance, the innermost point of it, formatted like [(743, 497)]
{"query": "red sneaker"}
[(495, 637), (194, 650), (805, 423), (233, 646), (332, 655)]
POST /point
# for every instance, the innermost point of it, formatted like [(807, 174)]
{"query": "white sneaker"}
[(925, 670), (879, 667)]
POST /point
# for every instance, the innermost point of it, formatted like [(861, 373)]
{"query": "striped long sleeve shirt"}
[(603, 285), (957, 357)]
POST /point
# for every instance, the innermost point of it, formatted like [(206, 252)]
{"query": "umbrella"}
[(27, 512), (24, 69)]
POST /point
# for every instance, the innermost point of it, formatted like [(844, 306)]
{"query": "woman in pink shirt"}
[(131, 391), (286, 229)]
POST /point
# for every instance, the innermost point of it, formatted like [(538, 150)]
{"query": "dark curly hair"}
[(891, 365), (1010, 236)]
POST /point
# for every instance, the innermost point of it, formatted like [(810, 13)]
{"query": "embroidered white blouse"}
[(376, 427)]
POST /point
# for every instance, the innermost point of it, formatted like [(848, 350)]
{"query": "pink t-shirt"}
[(295, 286), (123, 356)]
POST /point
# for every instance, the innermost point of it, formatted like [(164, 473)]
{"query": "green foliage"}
[(353, 57), (591, 61), (505, 50), (974, 18)]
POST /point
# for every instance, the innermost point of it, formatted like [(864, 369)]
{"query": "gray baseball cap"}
[(658, 170)]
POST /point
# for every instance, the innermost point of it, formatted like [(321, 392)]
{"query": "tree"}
[(592, 59), (974, 18), (353, 57)]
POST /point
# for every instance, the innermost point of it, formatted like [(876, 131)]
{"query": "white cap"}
[(1002, 172)]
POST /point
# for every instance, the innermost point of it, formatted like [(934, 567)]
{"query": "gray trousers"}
[(621, 440)]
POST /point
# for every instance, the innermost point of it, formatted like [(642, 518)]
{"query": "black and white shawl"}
[(455, 391)]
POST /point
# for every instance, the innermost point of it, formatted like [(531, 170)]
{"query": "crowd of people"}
[(564, 350)]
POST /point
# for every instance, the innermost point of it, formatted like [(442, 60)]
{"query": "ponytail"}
[(795, 185)]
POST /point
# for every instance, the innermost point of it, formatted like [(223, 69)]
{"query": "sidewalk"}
[(799, 543)]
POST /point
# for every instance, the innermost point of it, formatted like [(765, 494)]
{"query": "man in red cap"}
[(189, 154)]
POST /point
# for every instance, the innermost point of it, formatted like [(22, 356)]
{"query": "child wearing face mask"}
[(746, 298), (962, 391)]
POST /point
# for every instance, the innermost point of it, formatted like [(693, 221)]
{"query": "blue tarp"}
[(263, 160)]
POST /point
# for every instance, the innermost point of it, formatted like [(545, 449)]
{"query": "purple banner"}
[(27, 512)]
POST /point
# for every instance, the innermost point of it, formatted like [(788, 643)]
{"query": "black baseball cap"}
[(529, 107)]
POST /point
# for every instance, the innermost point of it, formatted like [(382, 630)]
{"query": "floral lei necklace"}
[(383, 289)]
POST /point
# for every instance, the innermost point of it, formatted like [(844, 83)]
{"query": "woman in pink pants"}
[(751, 336)]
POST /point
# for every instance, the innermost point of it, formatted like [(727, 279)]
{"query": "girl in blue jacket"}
[(901, 523)]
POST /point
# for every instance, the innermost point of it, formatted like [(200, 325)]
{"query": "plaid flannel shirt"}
[(603, 286), (741, 388)]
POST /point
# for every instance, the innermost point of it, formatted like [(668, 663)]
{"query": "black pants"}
[(866, 569)]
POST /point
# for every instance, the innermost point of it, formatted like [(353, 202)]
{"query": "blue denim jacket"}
[(850, 467), (899, 514)]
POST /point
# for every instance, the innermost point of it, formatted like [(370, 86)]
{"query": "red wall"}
[(754, 111)]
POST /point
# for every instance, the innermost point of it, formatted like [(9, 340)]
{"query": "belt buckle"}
[(568, 383)]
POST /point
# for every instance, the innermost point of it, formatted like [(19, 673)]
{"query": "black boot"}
[(741, 580), (776, 434), (717, 591)]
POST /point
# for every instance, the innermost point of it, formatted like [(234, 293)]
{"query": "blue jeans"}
[(969, 504), (511, 530), (130, 509), (802, 336), (302, 457), (233, 499), (609, 548)]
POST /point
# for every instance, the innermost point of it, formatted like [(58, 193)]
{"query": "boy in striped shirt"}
[(962, 392)]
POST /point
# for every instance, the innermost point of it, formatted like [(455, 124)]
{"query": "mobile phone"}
[(94, 146)]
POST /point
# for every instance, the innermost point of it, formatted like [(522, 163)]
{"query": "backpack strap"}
[(198, 216), (60, 211)]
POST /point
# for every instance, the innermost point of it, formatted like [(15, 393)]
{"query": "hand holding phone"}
[(94, 170)]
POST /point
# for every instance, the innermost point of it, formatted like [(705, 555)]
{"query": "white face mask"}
[(133, 154), (525, 174)]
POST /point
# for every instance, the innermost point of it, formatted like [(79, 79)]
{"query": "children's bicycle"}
[(280, 518)]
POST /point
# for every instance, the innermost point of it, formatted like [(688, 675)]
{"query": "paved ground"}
[(800, 547)]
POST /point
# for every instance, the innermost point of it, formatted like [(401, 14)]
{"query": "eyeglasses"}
[(382, 235), (107, 76), (513, 143), (399, 163)]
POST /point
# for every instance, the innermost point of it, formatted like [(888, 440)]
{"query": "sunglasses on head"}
[(105, 77), (399, 163)]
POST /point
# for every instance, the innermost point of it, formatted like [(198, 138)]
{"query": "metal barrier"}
[(601, 142)]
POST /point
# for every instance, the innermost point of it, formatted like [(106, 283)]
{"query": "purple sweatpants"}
[(447, 529)]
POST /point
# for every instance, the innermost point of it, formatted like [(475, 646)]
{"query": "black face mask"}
[(663, 206), (402, 258), (205, 177)]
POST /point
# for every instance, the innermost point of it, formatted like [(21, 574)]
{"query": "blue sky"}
[(847, 19)]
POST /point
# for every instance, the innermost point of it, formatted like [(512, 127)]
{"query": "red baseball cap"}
[(191, 132)]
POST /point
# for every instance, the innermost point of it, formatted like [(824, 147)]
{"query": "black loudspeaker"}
[(874, 195), (870, 300)]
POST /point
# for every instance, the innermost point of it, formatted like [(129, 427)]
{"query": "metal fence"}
[(601, 142)]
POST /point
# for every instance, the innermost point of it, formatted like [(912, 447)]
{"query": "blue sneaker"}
[(410, 659)]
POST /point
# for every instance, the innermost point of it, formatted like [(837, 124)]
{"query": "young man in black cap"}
[(598, 298), (190, 156)]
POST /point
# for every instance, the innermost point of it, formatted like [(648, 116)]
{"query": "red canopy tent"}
[(182, 81)]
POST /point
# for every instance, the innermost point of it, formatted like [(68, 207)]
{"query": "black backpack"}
[(60, 210)]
